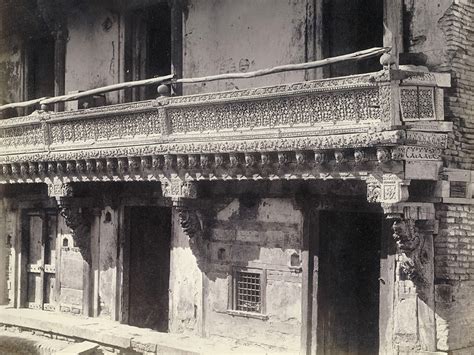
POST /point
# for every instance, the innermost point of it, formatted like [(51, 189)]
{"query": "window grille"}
[(248, 292)]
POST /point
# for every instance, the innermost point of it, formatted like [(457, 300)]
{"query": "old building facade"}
[(325, 210)]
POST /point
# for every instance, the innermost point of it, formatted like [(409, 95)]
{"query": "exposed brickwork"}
[(458, 27), (454, 244), (454, 277)]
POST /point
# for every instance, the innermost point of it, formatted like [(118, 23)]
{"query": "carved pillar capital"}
[(59, 190), (177, 188), (386, 188), (182, 193)]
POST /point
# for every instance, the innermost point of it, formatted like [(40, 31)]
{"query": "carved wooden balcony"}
[(341, 127)]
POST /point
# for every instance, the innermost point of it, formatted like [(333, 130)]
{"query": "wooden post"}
[(387, 288), (177, 44), (309, 286), (393, 27), (60, 66), (95, 240), (306, 287), (124, 264)]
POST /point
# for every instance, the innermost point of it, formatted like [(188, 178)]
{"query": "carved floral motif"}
[(190, 222), (409, 243)]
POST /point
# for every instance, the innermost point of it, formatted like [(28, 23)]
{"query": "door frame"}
[(123, 274), (310, 265), (25, 268)]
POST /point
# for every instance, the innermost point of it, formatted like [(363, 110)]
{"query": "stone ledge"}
[(122, 336)]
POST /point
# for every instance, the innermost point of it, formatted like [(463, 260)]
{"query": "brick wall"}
[(442, 32), (458, 27), (454, 277)]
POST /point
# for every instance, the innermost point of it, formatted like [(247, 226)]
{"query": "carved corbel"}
[(412, 257), (190, 220), (182, 194), (78, 219)]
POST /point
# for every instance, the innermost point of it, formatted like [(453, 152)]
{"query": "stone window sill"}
[(247, 314)]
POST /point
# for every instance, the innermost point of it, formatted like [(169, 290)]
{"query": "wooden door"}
[(40, 246), (348, 286), (150, 242)]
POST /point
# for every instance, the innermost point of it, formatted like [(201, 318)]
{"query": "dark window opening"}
[(148, 48), (40, 68), (350, 26)]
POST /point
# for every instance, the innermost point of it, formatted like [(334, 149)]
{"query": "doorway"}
[(40, 248), (149, 268), (348, 283)]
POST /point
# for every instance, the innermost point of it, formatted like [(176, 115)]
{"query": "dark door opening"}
[(348, 285), (150, 241)]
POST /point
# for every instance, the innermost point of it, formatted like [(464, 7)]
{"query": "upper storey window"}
[(350, 26), (148, 47), (40, 67)]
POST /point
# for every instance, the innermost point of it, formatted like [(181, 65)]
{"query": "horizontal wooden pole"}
[(104, 89), (367, 53)]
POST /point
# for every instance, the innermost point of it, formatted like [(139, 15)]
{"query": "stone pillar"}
[(407, 313), (413, 228), (188, 279)]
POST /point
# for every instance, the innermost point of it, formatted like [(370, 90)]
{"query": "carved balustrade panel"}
[(348, 125)]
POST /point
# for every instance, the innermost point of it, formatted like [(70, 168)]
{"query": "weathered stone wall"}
[(442, 32), (223, 36), (454, 277), (94, 48), (261, 234)]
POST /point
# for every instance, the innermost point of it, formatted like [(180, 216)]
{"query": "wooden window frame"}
[(232, 304)]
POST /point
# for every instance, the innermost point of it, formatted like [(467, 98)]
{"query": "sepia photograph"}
[(198, 177)]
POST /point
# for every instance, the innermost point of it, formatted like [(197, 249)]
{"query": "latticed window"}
[(248, 291)]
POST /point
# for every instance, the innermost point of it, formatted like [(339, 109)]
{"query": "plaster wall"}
[(261, 234), (71, 272), (186, 286), (93, 53), (223, 36)]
